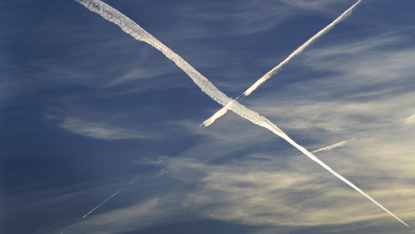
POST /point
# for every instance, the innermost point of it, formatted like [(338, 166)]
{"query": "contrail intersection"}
[(206, 86)]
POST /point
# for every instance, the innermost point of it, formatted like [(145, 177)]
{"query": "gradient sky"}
[(85, 109)]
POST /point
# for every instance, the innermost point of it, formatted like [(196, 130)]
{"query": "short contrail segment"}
[(330, 147), (113, 195), (274, 71), (161, 158), (204, 84)]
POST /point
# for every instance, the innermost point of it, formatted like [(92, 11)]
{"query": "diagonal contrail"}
[(330, 147), (205, 85), (161, 158), (274, 71), (89, 212)]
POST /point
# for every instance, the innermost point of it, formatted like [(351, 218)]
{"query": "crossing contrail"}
[(89, 212), (205, 85), (274, 71)]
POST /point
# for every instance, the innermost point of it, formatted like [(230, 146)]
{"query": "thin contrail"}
[(330, 147), (161, 158), (274, 71), (113, 195), (205, 85)]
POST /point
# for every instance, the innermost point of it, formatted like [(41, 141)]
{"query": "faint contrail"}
[(113, 195), (274, 71), (204, 84), (161, 158), (330, 147)]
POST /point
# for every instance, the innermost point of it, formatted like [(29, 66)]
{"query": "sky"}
[(100, 133)]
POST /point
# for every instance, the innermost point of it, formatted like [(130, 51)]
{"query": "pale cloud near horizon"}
[(259, 197), (268, 190)]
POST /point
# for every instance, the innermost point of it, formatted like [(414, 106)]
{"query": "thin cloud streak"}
[(274, 71), (205, 85)]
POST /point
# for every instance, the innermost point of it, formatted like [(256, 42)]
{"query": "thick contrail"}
[(274, 71), (113, 195), (204, 84)]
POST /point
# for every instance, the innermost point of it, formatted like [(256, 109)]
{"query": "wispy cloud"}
[(101, 131), (248, 17), (410, 120), (253, 192), (139, 74)]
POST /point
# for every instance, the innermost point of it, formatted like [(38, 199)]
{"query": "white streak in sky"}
[(214, 117), (113, 195), (274, 71), (161, 158), (410, 120), (205, 85), (330, 147)]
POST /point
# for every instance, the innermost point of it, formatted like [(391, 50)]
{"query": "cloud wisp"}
[(274, 71), (206, 86), (100, 131), (102, 203), (410, 120)]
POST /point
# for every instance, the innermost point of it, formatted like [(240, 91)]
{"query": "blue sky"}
[(85, 109)]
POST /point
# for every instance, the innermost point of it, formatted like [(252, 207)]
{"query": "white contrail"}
[(274, 71), (204, 84), (216, 116), (161, 158), (113, 195), (330, 147)]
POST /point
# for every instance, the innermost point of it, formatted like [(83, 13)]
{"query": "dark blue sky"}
[(85, 109)]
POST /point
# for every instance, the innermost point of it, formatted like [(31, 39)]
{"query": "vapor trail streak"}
[(113, 195), (160, 159), (274, 71), (330, 147), (204, 84)]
